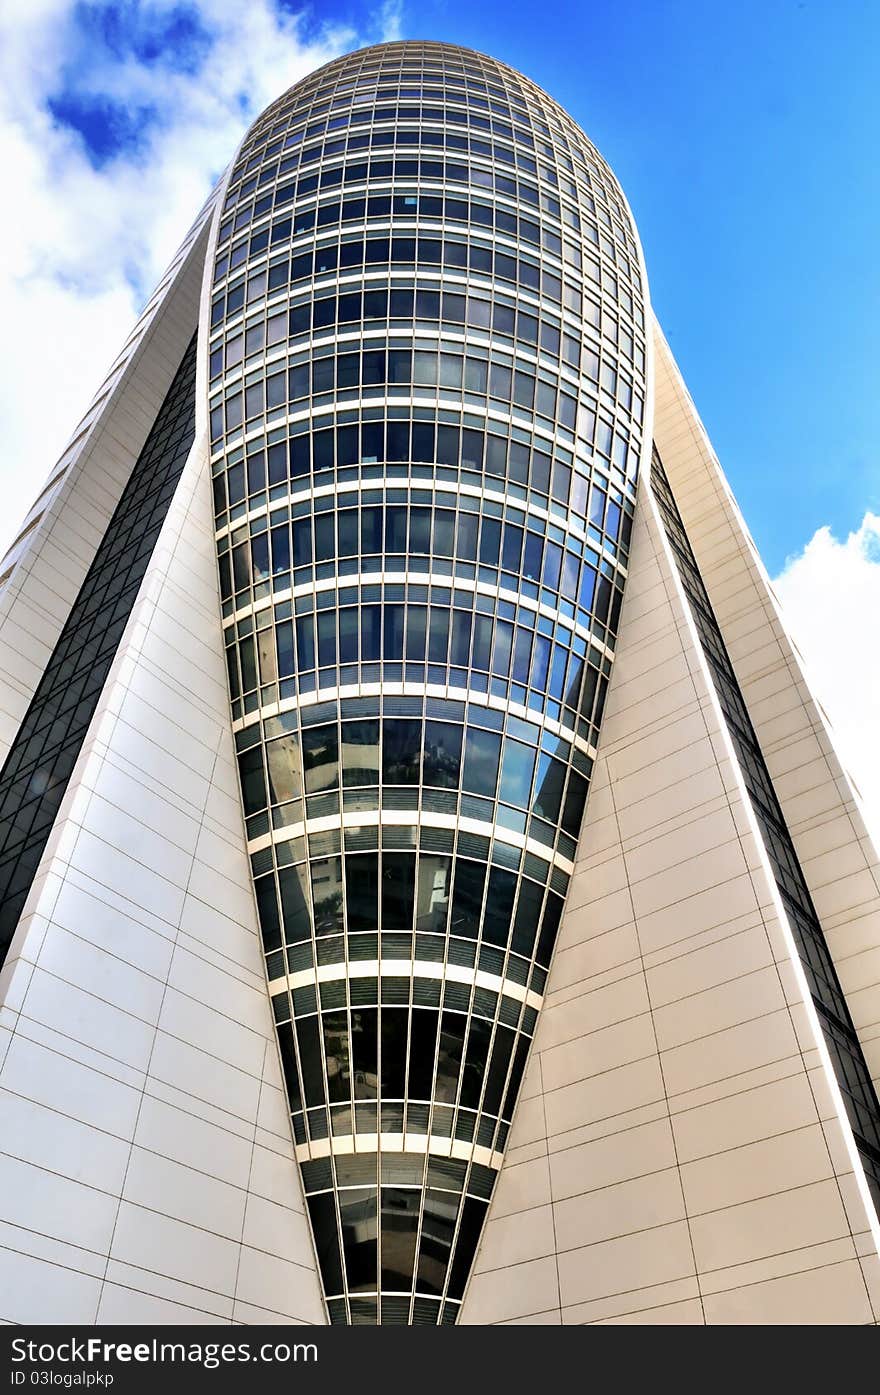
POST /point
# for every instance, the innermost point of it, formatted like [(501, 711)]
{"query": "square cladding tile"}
[(157, 1285), (36, 1291)]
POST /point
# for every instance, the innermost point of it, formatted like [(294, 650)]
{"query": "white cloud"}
[(830, 595), (80, 247)]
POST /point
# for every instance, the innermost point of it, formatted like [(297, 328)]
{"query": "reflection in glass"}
[(442, 759), (438, 1224), (516, 773), (401, 751), (295, 903), (285, 773), (467, 897), (548, 787), (320, 758), (432, 907), (360, 753), (365, 1052), (481, 756), (336, 1054), (360, 1229), (400, 1224), (327, 894)]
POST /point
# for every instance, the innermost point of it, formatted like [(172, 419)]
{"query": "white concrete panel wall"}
[(147, 1169), (839, 863), (43, 571), (677, 1155)]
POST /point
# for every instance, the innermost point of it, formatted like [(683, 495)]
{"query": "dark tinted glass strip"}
[(43, 755), (840, 1035)]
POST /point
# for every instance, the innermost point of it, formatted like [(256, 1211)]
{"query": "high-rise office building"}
[(430, 893)]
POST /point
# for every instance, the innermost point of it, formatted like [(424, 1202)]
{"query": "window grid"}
[(426, 408)]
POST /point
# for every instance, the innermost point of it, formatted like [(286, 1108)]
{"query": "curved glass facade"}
[(427, 390)]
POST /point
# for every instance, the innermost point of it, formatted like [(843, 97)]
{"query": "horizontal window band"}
[(414, 578), (366, 1143), (348, 495), (493, 490), (407, 968), (428, 691), (413, 819)]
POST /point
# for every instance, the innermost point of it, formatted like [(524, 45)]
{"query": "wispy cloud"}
[(391, 20), (830, 595), (115, 119)]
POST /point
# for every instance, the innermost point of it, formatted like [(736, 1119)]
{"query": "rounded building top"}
[(499, 102)]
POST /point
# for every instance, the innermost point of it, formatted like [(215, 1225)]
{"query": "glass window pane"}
[(365, 1052), (497, 1072), (295, 903), (285, 773), (423, 1043), (358, 1210), (309, 1042), (517, 769), (452, 1025), (395, 528), (472, 1217), (482, 645), (548, 788), (400, 1224), (461, 638), (438, 1226), (320, 758), (528, 909), (395, 1032), (267, 906), (360, 753), (474, 1070), (253, 785), (416, 632), (326, 874), (349, 634), (444, 530), (398, 890), (371, 633), (438, 635), (549, 927), (501, 649), (327, 637), (442, 759), (575, 799), (467, 898), (362, 891), (432, 906), (322, 1212), (393, 632), (499, 906), (336, 1054), (305, 643), (401, 751), (481, 756)]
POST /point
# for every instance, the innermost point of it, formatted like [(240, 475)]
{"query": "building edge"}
[(821, 808)]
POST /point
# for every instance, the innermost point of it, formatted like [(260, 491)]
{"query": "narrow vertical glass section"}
[(426, 399), (834, 1017), (42, 757)]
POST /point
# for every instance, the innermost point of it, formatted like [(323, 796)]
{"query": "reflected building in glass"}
[(400, 391)]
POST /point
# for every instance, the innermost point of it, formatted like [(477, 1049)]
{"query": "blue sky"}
[(744, 138), (743, 135)]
